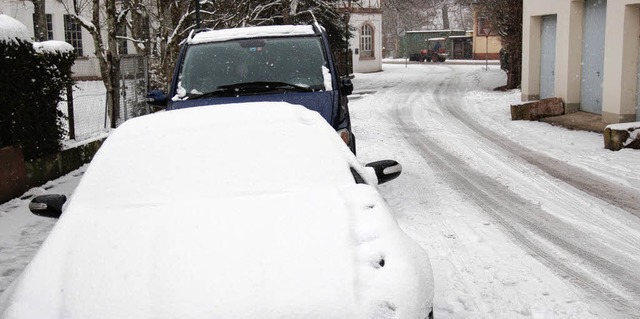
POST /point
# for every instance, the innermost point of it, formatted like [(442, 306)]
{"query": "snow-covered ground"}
[(507, 237)]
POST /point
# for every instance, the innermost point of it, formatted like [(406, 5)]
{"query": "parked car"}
[(253, 210), (293, 64)]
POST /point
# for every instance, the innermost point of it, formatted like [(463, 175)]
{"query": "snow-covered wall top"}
[(52, 46), (251, 32), (11, 29)]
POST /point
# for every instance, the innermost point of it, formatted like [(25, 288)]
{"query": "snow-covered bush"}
[(33, 79)]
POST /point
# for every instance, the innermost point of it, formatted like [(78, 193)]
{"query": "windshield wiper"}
[(250, 87), (265, 86), (216, 92)]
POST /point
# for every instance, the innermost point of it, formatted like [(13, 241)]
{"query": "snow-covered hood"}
[(316, 253)]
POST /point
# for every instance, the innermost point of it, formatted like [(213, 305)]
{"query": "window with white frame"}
[(48, 26), (366, 41), (73, 33)]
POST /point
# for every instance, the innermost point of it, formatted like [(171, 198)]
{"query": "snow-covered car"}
[(254, 210)]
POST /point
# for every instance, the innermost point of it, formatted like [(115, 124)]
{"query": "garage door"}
[(548, 57), (593, 55)]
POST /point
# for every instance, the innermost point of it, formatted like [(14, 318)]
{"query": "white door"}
[(593, 56), (548, 57)]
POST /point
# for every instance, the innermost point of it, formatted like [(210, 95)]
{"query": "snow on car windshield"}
[(294, 60)]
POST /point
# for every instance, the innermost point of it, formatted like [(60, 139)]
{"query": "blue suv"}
[(289, 63)]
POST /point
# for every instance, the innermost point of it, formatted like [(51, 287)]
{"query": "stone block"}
[(623, 135), (532, 111)]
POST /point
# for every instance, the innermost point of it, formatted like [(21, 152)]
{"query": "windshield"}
[(298, 61)]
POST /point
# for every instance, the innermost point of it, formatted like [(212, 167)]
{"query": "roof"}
[(434, 31), (251, 32)]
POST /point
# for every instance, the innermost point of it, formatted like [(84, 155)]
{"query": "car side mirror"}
[(386, 170), (157, 98), (347, 85), (48, 205)]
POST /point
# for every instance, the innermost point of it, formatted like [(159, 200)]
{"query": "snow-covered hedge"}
[(33, 79)]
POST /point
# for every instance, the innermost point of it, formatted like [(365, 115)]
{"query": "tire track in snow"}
[(534, 228), (614, 194)]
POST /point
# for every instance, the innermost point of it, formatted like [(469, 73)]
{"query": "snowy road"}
[(513, 231), (521, 219)]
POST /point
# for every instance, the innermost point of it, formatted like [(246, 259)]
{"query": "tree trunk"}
[(39, 20), (445, 16), (286, 11), (113, 62)]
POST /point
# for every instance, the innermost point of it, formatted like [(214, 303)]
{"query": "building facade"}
[(585, 52), (486, 42), (365, 17), (414, 42), (62, 27)]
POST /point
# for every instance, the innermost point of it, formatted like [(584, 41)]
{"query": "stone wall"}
[(16, 176)]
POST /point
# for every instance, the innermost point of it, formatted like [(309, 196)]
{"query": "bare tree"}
[(506, 19), (39, 20), (103, 17)]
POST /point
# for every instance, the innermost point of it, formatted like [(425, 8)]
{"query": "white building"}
[(61, 26), (366, 45), (585, 52)]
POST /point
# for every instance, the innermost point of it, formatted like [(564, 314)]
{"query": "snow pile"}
[(633, 128), (11, 29), (52, 47), (326, 76)]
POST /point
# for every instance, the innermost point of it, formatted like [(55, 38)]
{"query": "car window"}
[(295, 60)]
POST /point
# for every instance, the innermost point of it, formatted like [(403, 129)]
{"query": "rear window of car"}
[(291, 60)]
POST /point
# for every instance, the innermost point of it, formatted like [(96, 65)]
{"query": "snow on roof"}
[(432, 31), (11, 29), (436, 39), (52, 46), (251, 32)]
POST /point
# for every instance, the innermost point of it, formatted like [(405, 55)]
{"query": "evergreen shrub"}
[(31, 86)]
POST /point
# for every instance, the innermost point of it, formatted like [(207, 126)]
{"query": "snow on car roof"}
[(217, 151), (251, 32)]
